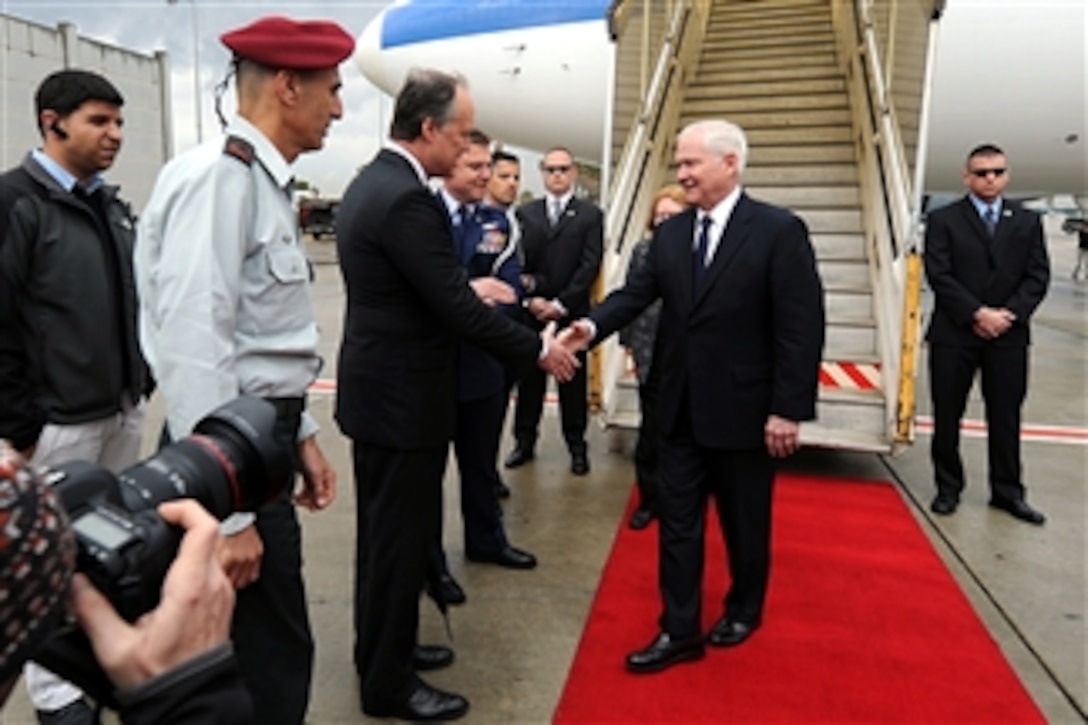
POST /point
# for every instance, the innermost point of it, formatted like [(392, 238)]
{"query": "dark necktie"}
[(990, 219), (698, 262)]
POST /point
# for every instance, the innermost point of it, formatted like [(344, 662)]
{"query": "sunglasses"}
[(556, 169), (983, 173)]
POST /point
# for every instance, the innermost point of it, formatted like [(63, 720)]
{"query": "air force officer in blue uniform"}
[(486, 243)]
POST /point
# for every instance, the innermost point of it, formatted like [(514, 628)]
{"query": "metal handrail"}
[(629, 184)]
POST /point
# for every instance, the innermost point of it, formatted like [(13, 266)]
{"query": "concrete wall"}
[(30, 52)]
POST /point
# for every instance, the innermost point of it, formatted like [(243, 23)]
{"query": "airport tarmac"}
[(516, 637)]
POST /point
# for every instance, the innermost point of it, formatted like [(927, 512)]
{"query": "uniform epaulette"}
[(240, 149)]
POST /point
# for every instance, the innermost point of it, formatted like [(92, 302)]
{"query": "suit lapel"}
[(733, 238), (684, 253), (1005, 223)]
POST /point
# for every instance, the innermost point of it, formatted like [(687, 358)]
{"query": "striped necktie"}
[(990, 219)]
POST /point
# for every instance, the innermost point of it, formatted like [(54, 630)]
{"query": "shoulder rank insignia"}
[(240, 149)]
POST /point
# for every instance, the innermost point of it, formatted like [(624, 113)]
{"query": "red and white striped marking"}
[(851, 376), (970, 428), (1032, 432)]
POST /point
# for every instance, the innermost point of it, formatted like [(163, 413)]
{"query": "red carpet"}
[(863, 623)]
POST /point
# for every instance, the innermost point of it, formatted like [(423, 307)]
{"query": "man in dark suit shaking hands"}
[(562, 239), (409, 298), (739, 346), (987, 264)]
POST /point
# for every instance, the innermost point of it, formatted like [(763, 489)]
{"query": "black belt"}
[(288, 408)]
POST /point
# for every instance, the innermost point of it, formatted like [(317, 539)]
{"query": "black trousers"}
[(476, 446), (270, 629), (646, 449), (1004, 374), (271, 625), (398, 509), (572, 407), (741, 482)]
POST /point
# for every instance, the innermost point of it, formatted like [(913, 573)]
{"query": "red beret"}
[(279, 42)]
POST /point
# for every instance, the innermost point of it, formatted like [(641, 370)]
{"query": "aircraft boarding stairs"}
[(772, 67)]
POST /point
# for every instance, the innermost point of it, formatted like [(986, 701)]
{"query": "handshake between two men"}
[(559, 354)]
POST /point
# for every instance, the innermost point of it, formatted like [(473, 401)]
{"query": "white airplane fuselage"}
[(1013, 74)]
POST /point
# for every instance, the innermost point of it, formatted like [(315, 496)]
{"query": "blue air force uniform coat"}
[(487, 246)]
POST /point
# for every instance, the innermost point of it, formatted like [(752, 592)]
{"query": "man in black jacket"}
[(562, 238), (72, 378), (987, 264)]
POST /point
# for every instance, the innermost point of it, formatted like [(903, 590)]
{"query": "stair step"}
[(765, 155), (801, 175), (842, 339), (725, 101), (822, 61), (758, 76), (802, 197), (818, 435), (848, 304), (845, 274), (809, 136), (732, 33), (736, 39), (839, 246), (787, 48), (738, 15), (762, 119), (832, 221), (813, 87)]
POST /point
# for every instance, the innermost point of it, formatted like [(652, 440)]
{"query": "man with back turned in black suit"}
[(738, 353), (562, 238), (987, 264), (409, 299)]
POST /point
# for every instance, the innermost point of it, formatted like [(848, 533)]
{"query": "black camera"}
[(231, 462)]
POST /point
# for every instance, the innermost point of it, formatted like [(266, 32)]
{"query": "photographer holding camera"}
[(175, 664)]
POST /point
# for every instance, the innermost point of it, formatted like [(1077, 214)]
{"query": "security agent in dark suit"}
[(408, 300), (986, 262), (486, 244), (562, 238), (741, 334)]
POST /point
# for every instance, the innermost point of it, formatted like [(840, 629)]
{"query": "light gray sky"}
[(150, 25)]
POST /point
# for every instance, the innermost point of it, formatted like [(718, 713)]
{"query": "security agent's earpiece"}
[(60, 132)]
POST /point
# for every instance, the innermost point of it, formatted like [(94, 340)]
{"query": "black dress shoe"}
[(640, 519), (519, 456), (502, 490), (664, 652), (78, 712), (431, 657), (507, 556), (425, 703), (730, 632), (579, 464), (944, 505), (451, 590), (1019, 509)]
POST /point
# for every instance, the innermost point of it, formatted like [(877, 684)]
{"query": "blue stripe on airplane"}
[(421, 20)]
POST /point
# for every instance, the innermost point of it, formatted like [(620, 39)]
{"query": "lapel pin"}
[(1006, 212)]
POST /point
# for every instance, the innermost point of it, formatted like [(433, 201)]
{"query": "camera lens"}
[(232, 462)]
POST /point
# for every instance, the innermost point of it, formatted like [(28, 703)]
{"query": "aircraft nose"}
[(368, 51)]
